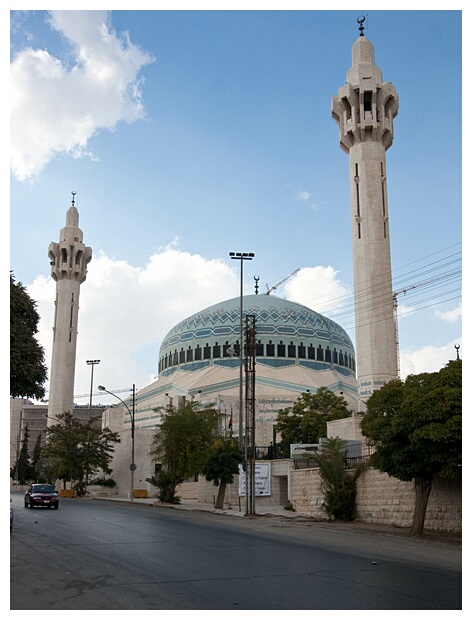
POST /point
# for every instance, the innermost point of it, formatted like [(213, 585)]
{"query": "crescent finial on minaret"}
[(360, 21), (73, 198)]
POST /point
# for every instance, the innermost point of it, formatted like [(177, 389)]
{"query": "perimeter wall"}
[(384, 500)]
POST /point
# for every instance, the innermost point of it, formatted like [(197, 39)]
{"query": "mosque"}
[(296, 349)]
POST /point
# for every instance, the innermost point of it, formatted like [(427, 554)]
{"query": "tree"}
[(22, 470), (338, 484), (221, 466), (76, 450), (416, 429), (305, 421), (28, 371), (36, 459), (182, 442)]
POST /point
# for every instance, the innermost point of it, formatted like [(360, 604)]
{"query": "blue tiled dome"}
[(287, 333)]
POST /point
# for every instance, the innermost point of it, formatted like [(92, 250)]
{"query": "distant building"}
[(24, 413)]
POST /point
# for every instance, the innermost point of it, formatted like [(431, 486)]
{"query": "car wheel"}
[(56, 506), (26, 504), (31, 505)]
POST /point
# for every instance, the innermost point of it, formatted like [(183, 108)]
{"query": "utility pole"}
[(250, 411), (241, 256)]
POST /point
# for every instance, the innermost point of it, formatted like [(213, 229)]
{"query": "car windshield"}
[(42, 488)]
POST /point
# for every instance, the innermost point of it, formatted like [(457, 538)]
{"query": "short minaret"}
[(69, 259), (364, 109)]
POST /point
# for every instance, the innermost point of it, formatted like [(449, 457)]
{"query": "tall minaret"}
[(69, 259), (364, 109)]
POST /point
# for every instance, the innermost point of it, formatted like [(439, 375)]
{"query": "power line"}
[(347, 300)]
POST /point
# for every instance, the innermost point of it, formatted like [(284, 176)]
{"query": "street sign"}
[(262, 480)]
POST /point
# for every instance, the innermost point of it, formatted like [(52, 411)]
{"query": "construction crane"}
[(273, 288)]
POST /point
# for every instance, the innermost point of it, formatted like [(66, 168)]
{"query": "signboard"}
[(262, 480), (303, 450)]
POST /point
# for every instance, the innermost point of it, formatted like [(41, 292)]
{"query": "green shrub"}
[(337, 483), (104, 482), (164, 481)]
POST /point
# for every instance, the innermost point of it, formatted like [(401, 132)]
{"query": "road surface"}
[(108, 555)]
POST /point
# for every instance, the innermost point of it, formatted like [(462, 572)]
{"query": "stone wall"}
[(307, 498), (384, 500), (279, 488), (144, 466)]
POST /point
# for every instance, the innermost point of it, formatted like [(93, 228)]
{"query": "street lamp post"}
[(241, 256), (91, 363), (132, 416)]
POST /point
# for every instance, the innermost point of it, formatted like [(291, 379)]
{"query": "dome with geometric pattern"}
[(287, 334)]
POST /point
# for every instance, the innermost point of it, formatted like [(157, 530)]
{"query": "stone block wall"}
[(122, 460), (307, 497), (384, 500)]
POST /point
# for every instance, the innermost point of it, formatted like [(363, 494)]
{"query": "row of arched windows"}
[(270, 349)]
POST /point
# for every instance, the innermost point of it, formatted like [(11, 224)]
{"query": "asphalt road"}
[(107, 555)]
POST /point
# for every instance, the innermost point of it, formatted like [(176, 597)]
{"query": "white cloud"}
[(304, 196), (126, 310), (427, 359), (57, 108), (330, 293), (450, 316)]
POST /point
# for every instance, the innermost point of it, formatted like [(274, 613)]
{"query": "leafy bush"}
[(104, 482), (337, 483), (164, 481)]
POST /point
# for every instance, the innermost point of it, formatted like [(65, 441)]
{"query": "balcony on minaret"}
[(69, 261), (365, 114)]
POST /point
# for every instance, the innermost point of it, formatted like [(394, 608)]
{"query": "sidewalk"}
[(192, 504), (281, 513)]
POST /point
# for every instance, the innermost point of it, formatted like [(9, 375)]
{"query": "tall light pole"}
[(91, 363), (241, 256), (131, 415)]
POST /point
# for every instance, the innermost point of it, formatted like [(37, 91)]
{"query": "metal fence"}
[(351, 462), (269, 453)]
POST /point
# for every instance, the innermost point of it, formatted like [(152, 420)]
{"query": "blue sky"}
[(191, 134)]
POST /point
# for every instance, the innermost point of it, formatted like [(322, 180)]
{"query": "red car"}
[(41, 495)]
